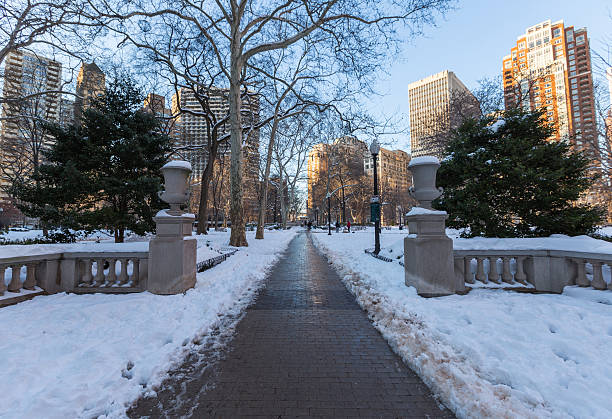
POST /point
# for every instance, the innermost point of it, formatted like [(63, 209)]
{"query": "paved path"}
[(304, 348)]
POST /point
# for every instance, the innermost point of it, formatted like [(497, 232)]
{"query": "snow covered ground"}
[(491, 353), (75, 356)]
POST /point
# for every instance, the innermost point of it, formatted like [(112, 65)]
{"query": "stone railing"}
[(121, 272), (545, 270), (75, 272)]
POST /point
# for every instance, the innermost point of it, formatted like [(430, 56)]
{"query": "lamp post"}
[(375, 201)]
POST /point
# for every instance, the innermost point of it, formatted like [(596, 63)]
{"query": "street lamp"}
[(375, 201)]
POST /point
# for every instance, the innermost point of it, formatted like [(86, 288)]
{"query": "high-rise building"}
[(27, 77), (430, 101), (90, 84), (156, 104), (549, 68), (192, 126)]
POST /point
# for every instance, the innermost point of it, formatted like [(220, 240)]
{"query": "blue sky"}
[(472, 40)]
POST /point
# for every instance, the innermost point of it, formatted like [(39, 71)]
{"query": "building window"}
[(556, 32), (580, 39)]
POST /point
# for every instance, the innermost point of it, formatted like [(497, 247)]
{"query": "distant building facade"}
[(430, 101), (342, 162), (26, 79), (91, 82), (191, 137)]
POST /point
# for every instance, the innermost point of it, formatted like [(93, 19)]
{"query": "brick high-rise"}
[(549, 68)]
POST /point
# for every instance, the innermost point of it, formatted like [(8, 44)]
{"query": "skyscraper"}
[(25, 103), (192, 137), (550, 68), (90, 83), (430, 100)]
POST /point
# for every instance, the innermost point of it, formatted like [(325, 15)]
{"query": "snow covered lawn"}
[(74, 356), (491, 353)]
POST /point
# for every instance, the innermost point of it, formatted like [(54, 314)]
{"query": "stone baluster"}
[(112, 275), (493, 273), (609, 285), (99, 278), (30, 281), (87, 275), (480, 273), (123, 275), (467, 270), (15, 284), (581, 278), (135, 272), (2, 283), (598, 282), (520, 275), (506, 273)]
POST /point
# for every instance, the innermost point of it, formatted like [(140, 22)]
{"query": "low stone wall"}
[(546, 270)]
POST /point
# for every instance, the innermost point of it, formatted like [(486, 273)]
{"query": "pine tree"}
[(103, 173), (504, 178)]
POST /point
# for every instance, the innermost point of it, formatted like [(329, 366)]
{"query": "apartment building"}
[(549, 68), (27, 77), (433, 102)]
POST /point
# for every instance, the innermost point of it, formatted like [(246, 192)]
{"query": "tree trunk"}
[(119, 235), (343, 206), (283, 206), (204, 187), (263, 203), (238, 234)]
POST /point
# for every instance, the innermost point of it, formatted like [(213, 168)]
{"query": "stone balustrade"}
[(111, 272), (22, 275), (75, 272), (545, 270)]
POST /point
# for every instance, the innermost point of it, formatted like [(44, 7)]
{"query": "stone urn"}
[(423, 187), (176, 183)]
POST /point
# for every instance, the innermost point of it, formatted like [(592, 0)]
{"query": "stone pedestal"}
[(172, 254), (428, 254)]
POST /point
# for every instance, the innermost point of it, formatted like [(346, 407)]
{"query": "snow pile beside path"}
[(490, 353), (74, 356)]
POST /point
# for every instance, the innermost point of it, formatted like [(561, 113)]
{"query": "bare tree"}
[(238, 31)]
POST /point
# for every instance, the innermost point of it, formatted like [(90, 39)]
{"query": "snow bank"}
[(75, 356), (490, 353)]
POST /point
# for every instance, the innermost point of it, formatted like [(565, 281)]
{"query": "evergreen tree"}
[(504, 178), (103, 173)]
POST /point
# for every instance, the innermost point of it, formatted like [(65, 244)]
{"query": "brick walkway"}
[(304, 348)]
